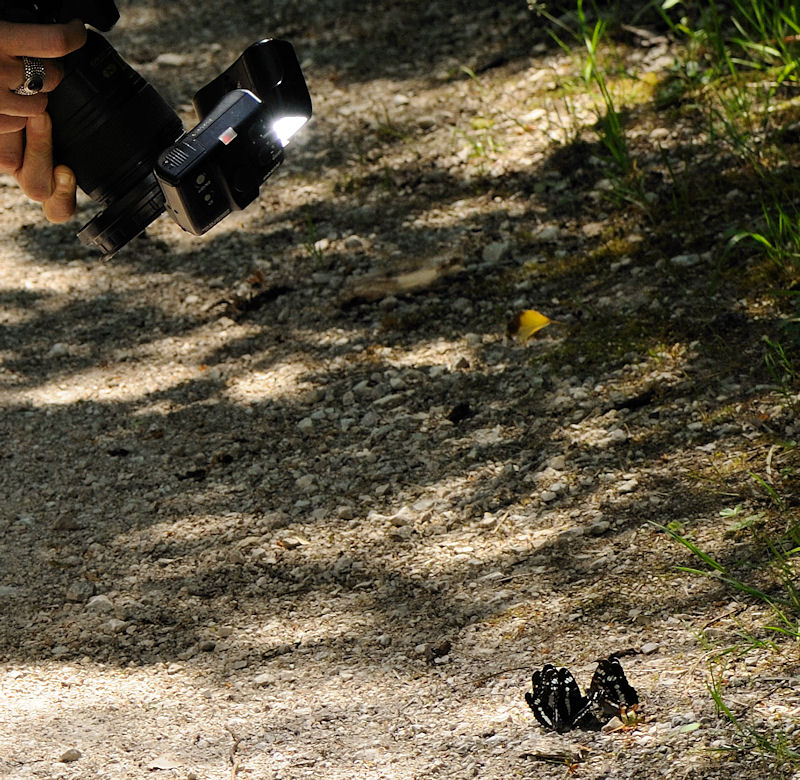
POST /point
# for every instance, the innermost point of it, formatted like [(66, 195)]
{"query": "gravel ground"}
[(288, 501)]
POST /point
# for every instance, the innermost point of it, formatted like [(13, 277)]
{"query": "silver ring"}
[(34, 76)]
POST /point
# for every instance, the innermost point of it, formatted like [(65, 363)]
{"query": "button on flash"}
[(227, 136)]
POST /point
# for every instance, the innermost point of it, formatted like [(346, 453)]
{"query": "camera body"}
[(100, 14), (250, 111), (127, 146), (210, 170)]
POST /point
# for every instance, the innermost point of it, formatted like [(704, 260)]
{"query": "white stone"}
[(685, 261), (496, 251), (549, 233), (100, 604)]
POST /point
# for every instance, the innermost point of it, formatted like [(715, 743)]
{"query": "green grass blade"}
[(689, 545)]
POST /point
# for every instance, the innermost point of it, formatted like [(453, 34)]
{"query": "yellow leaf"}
[(524, 324)]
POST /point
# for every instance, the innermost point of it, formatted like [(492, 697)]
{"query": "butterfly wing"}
[(558, 704), (587, 716), (610, 687), (541, 699), (569, 700)]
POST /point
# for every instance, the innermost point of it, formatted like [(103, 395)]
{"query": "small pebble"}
[(599, 528), (58, 350), (171, 59), (495, 252), (80, 590), (306, 482), (549, 233), (68, 756), (685, 261), (613, 724), (353, 242), (100, 604)]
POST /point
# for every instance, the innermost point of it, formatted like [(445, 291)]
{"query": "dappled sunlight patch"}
[(598, 432), (468, 551), (438, 355), (28, 277), (350, 621), (124, 382), (15, 317), (287, 379), (449, 214), (135, 374), (63, 714)]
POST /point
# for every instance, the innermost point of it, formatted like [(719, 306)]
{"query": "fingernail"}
[(63, 179)]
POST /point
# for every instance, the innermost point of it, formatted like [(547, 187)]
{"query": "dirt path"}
[(289, 502)]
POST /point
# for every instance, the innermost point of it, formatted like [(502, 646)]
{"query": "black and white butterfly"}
[(610, 687), (558, 704), (557, 701)]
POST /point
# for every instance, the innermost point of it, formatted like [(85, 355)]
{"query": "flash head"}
[(270, 70), (249, 113)]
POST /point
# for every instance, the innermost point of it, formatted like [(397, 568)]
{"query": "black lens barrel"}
[(109, 125)]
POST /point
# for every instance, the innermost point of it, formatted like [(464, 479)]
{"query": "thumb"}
[(60, 206)]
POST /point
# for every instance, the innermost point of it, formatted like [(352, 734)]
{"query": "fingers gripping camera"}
[(125, 143)]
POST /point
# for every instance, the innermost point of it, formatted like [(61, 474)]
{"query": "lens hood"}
[(126, 218)]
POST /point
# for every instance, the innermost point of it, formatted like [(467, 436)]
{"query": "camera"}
[(128, 147)]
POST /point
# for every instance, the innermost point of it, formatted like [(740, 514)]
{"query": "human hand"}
[(26, 144)]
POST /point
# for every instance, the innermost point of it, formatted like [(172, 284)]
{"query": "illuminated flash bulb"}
[(285, 127)]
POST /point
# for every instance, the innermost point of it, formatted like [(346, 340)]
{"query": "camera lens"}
[(109, 125)]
